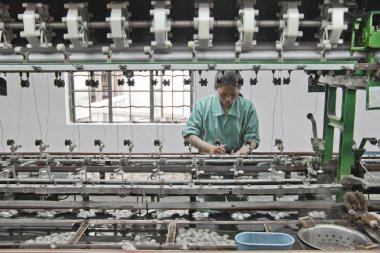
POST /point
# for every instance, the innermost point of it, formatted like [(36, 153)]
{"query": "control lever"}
[(317, 143)]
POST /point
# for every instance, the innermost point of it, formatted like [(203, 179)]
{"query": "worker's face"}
[(227, 94)]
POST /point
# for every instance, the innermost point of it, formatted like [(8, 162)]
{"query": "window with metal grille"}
[(130, 97)]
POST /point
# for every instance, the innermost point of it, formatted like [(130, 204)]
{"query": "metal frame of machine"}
[(345, 54)]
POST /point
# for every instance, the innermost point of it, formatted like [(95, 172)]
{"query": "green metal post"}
[(328, 130), (345, 124), (346, 155)]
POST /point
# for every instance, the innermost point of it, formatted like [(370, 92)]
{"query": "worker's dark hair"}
[(224, 77)]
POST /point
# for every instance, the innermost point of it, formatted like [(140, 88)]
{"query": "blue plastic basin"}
[(264, 241)]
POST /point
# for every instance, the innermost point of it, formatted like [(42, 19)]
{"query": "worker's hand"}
[(245, 150), (217, 150)]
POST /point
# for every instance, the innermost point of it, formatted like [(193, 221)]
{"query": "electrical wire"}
[(315, 109), (48, 109), (195, 91), (35, 103), (117, 137), (130, 101), (73, 136), (162, 133), (19, 115), (273, 117), (72, 105), (250, 93), (78, 137), (282, 122), (157, 136), (2, 136), (172, 87), (131, 126), (104, 133), (316, 103)]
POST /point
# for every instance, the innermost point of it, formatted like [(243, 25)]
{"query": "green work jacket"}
[(209, 122)]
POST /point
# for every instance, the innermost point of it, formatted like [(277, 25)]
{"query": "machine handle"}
[(314, 125)]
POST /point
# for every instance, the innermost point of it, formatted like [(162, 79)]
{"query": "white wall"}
[(290, 123)]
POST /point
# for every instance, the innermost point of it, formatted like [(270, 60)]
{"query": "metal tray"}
[(331, 237)]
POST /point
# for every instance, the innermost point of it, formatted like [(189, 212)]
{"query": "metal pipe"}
[(56, 25), (263, 52), (182, 23), (220, 56), (268, 23), (140, 24), (202, 56), (175, 190), (225, 23), (79, 57), (98, 25), (174, 23), (178, 154), (59, 58), (46, 58), (224, 182), (133, 56), (171, 169), (276, 23), (11, 58), (292, 55), (310, 23), (138, 161), (110, 97), (15, 25), (180, 56), (236, 205)]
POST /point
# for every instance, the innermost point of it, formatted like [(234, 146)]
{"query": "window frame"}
[(71, 110)]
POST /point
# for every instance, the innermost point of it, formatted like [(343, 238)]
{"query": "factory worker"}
[(224, 122)]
